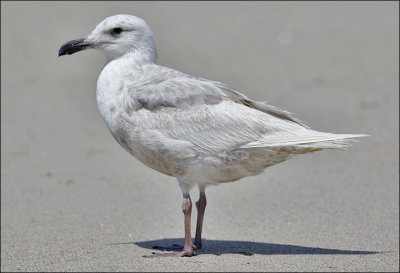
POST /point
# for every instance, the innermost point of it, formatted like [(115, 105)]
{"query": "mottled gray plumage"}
[(185, 126), (199, 131)]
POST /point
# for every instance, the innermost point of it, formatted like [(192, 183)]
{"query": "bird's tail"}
[(310, 139)]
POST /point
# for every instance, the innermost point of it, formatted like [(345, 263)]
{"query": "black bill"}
[(73, 46)]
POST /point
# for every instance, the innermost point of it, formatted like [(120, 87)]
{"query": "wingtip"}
[(360, 135)]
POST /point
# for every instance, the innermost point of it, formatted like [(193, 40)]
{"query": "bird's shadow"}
[(219, 247)]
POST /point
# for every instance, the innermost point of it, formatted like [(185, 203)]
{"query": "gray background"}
[(72, 199)]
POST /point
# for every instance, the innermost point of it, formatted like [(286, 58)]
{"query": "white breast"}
[(111, 93)]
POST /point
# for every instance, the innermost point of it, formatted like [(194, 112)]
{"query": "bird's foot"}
[(185, 252), (174, 247)]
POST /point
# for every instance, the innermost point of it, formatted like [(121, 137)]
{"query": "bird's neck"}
[(138, 56)]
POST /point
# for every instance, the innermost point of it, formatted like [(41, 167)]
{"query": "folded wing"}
[(210, 117)]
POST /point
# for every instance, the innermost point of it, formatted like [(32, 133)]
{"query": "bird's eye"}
[(116, 30)]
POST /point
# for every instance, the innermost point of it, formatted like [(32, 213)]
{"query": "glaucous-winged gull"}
[(202, 132)]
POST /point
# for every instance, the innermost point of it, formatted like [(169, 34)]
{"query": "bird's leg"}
[(201, 206), (187, 212), (188, 246)]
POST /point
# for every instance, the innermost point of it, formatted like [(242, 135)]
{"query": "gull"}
[(200, 131)]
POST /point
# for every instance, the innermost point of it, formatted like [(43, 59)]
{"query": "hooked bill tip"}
[(73, 46)]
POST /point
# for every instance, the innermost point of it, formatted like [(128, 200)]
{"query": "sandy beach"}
[(73, 200)]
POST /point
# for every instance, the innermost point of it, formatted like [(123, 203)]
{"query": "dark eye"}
[(116, 30)]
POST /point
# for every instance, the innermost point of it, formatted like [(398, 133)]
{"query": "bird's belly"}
[(155, 159), (233, 165)]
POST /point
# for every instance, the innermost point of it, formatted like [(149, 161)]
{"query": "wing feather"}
[(210, 116), (170, 88)]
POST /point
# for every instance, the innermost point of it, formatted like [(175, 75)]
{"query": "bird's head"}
[(116, 36)]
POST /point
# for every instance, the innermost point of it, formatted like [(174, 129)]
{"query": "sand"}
[(73, 200)]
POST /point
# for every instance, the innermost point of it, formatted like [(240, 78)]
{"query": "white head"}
[(117, 36)]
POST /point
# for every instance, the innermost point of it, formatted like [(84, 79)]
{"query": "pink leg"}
[(201, 206), (188, 246), (187, 212)]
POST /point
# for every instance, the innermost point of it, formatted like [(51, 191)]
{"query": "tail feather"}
[(312, 139)]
